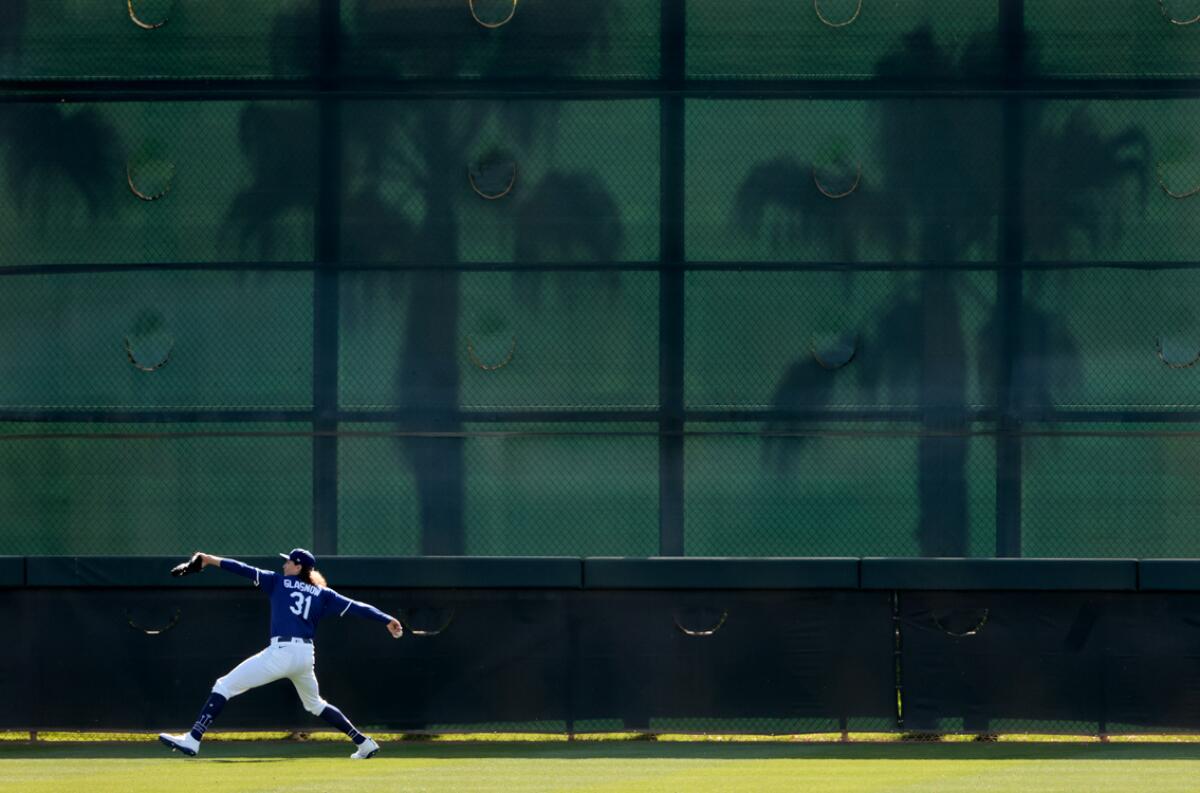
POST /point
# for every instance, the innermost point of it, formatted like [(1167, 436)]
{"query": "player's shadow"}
[(279, 752), (891, 750), (250, 760)]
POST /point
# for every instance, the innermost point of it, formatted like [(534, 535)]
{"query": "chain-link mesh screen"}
[(572, 490), (157, 182), (839, 38), (156, 340), (1111, 339), (527, 341), (839, 490), (808, 180), (527, 182), (1110, 490), (839, 341), (158, 39), (502, 39), (1126, 38), (849, 278), (1108, 181), (153, 489)]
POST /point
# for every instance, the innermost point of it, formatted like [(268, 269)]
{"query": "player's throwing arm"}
[(299, 597)]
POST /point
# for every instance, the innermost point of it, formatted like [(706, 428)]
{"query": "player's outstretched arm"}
[(345, 605), (263, 578)]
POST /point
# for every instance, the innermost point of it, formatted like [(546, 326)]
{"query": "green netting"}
[(96, 490), (836, 340), (526, 340), (157, 182), (571, 181), (847, 181), (156, 340), (590, 39), (1077, 38), (838, 490), (1120, 494), (760, 38), (604, 279), (585, 494), (1099, 177), (501, 39), (1116, 339), (180, 39)]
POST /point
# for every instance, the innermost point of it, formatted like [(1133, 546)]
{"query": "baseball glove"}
[(193, 565)]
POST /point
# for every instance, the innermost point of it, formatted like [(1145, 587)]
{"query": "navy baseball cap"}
[(301, 557)]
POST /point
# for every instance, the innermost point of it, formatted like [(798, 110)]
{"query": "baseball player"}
[(299, 599)]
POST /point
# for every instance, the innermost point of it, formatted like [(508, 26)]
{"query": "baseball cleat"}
[(184, 743), (366, 750)]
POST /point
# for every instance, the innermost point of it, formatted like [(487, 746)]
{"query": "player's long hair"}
[(312, 576)]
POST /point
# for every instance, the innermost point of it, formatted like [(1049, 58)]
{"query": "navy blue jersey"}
[(297, 606)]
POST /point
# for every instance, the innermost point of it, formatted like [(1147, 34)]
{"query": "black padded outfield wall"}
[(595, 645), (509, 660), (1056, 663), (555, 661)]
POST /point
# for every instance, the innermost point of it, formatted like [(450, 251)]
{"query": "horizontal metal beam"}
[(146, 90), (45, 415), (250, 415), (511, 416), (606, 266), (749, 415)]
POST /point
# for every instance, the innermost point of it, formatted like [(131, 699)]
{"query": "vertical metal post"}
[(671, 278), (1009, 281), (327, 244), (898, 660)]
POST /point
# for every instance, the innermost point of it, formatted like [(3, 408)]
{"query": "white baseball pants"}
[(291, 659)]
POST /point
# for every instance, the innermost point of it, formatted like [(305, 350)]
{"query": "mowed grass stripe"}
[(584, 767)]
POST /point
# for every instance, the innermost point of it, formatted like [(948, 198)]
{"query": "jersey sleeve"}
[(263, 579), (341, 605)]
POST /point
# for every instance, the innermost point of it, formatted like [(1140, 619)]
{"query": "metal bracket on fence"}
[(1162, 356), (1163, 184), (492, 25), (143, 195), (142, 367), (832, 24), (406, 620), (961, 634), (153, 631), (512, 180), (491, 367), (1162, 6), (835, 196), (701, 631), (834, 352), (138, 21)]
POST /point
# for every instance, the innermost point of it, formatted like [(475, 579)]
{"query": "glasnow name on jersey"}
[(312, 589)]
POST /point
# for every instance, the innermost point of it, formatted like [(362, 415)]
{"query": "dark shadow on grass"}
[(785, 750), (251, 759), (271, 751), (214, 751)]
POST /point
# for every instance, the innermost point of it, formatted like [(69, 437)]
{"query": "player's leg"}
[(304, 678), (263, 667), (257, 670)]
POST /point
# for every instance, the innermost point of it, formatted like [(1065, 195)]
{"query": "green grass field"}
[(608, 767)]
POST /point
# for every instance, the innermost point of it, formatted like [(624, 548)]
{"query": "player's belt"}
[(279, 639)]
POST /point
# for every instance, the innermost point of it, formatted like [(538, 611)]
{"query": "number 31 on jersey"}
[(302, 605)]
